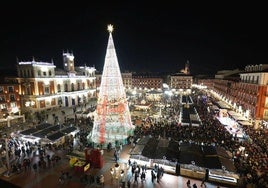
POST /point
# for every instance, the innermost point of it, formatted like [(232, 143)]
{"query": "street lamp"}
[(112, 172), (164, 160), (7, 157), (122, 174), (116, 169), (118, 172), (59, 125)]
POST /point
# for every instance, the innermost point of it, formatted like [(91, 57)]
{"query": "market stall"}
[(79, 165)]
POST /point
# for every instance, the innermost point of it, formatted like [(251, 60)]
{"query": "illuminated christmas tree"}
[(112, 121)]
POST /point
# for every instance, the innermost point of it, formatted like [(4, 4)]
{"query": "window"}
[(28, 91), (266, 102), (265, 114), (1, 89), (3, 106), (12, 97), (65, 87), (72, 86), (44, 73), (59, 101), (10, 89), (48, 103), (47, 90), (59, 88), (2, 98), (13, 104), (39, 73)]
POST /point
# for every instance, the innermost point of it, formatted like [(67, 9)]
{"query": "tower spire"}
[(187, 67)]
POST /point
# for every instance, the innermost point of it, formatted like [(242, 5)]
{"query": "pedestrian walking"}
[(136, 177), (153, 175), (116, 155), (121, 146), (143, 176), (188, 183), (35, 167)]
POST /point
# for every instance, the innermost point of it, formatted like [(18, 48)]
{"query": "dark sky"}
[(148, 37)]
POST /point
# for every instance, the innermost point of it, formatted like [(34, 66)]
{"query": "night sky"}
[(155, 37)]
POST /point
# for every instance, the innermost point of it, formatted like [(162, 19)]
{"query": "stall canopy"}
[(236, 116), (173, 150), (191, 153), (150, 149), (212, 162), (208, 156), (222, 105), (161, 150), (245, 123), (137, 150)]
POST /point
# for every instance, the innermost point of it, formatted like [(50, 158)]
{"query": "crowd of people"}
[(251, 162), (25, 155)]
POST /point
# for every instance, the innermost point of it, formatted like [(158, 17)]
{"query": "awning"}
[(246, 123), (137, 150), (236, 116)]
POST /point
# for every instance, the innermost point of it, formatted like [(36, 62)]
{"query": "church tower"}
[(68, 61), (187, 67)]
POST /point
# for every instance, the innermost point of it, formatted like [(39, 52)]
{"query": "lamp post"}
[(112, 172), (115, 172), (7, 157), (164, 160), (124, 174), (122, 177), (59, 125), (118, 172)]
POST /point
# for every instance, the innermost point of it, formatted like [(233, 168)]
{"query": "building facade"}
[(247, 92), (43, 86), (127, 80), (181, 82), (253, 91), (147, 81), (9, 98)]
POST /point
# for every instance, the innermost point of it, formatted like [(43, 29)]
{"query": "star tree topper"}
[(110, 28)]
